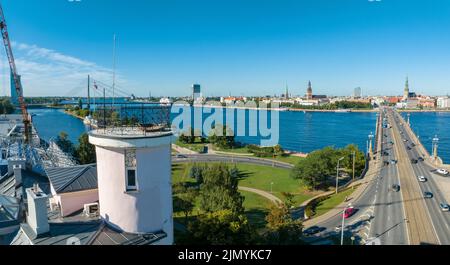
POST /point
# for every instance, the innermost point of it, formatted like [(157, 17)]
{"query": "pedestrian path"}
[(264, 194)]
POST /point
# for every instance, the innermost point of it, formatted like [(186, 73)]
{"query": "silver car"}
[(444, 207)]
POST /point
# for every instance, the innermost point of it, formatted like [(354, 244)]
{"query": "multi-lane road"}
[(403, 217), (380, 214), (439, 221)]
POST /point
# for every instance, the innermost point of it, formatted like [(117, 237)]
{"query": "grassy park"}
[(258, 177), (332, 202)]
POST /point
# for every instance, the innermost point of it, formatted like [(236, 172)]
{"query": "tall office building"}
[(14, 95), (357, 93), (196, 92)]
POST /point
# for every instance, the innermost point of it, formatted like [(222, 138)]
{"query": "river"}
[(299, 131)]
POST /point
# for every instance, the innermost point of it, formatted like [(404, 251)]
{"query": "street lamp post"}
[(371, 136), (435, 146), (271, 187), (354, 155), (337, 174)]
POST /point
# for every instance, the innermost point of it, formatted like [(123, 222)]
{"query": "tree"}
[(288, 199), (6, 107), (219, 190), (80, 104), (196, 172), (315, 169), (222, 227), (65, 144), (85, 152), (282, 229), (184, 199), (222, 137)]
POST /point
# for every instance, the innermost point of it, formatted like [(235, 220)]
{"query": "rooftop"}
[(72, 179), (131, 132), (9, 211)]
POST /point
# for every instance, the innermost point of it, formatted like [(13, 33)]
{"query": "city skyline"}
[(163, 48)]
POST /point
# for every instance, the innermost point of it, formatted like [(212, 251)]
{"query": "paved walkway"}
[(265, 194), (183, 150)]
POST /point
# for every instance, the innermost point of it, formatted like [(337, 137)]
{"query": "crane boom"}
[(16, 78)]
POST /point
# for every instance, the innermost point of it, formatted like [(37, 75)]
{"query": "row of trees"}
[(319, 166), (221, 219), (332, 106), (6, 107), (220, 136), (259, 151), (84, 152)]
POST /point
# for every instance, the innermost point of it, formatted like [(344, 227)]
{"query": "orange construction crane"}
[(17, 83)]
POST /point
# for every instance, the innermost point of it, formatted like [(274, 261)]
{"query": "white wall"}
[(150, 208), (75, 201)]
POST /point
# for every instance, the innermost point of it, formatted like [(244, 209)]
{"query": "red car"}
[(349, 212)]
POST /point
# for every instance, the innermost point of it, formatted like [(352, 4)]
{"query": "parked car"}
[(414, 161), (386, 163), (444, 207), (442, 171), (338, 228), (349, 212), (396, 187), (420, 159), (422, 179), (393, 161), (313, 230), (427, 195)]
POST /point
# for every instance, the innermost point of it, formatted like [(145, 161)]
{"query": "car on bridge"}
[(393, 161), (349, 212), (422, 179), (396, 187), (181, 156), (444, 207), (313, 230), (427, 195), (442, 171)]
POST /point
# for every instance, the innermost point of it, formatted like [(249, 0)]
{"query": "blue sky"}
[(246, 47)]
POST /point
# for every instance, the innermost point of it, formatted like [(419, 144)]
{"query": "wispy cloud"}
[(47, 72)]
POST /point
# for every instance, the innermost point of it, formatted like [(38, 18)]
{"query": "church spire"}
[(309, 91), (406, 91)]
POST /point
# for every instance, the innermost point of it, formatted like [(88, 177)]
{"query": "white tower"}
[(134, 180)]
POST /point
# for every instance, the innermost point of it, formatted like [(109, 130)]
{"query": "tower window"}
[(130, 165), (131, 179)]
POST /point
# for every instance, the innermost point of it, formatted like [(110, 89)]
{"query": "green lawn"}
[(332, 202), (258, 177), (236, 150), (256, 208), (261, 177)]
